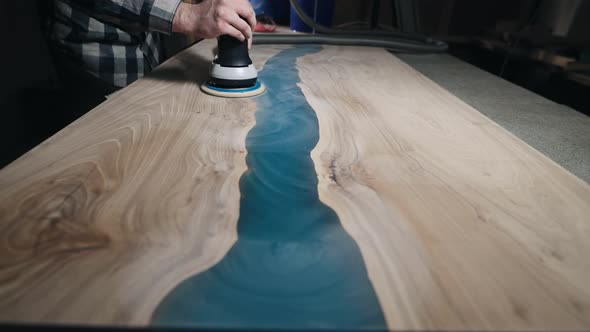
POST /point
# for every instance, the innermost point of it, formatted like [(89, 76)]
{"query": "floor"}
[(558, 131)]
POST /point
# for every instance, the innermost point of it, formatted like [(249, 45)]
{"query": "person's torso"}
[(116, 56)]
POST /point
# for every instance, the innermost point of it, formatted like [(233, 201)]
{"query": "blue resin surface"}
[(293, 265)]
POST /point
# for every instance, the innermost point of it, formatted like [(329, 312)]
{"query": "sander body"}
[(232, 73)]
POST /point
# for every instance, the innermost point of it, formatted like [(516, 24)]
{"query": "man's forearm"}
[(185, 15)]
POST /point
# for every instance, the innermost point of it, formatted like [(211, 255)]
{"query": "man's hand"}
[(212, 18)]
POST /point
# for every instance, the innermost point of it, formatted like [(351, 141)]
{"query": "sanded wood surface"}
[(93, 220), (460, 224)]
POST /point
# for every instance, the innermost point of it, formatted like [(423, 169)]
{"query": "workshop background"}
[(540, 45)]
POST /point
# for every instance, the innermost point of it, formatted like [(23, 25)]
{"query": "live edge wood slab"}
[(355, 193)]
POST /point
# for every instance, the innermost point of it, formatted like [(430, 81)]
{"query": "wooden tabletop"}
[(355, 193)]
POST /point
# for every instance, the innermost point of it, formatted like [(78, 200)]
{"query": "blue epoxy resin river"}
[(293, 265)]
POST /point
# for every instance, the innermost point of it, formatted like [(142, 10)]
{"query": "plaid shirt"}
[(115, 40)]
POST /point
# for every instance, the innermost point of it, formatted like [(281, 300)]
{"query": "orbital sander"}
[(232, 73)]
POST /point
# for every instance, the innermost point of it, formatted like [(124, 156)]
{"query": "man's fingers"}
[(250, 42), (230, 30), (241, 25), (247, 13)]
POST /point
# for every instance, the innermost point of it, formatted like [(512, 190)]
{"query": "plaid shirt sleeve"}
[(132, 15)]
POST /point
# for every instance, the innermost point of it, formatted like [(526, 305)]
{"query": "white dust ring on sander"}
[(234, 93)]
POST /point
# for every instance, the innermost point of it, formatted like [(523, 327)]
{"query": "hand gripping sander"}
[(232, 73)]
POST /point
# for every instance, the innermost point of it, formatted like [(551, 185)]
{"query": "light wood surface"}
[(460, 224), (93, 220)]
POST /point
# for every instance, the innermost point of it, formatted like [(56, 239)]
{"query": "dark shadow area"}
[(40, 95), (540, 45), (28, 82)]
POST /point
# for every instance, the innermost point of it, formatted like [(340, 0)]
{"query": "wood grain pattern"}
[(94, 220), (461, 225)]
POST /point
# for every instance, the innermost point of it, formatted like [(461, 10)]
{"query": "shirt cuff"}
[(162, 14)]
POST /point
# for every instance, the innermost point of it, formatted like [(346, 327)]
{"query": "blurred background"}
[(541, 45)]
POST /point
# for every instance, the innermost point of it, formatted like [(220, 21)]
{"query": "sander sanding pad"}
[(255, 90)]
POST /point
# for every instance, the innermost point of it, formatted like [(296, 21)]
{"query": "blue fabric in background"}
[(277, 9)]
